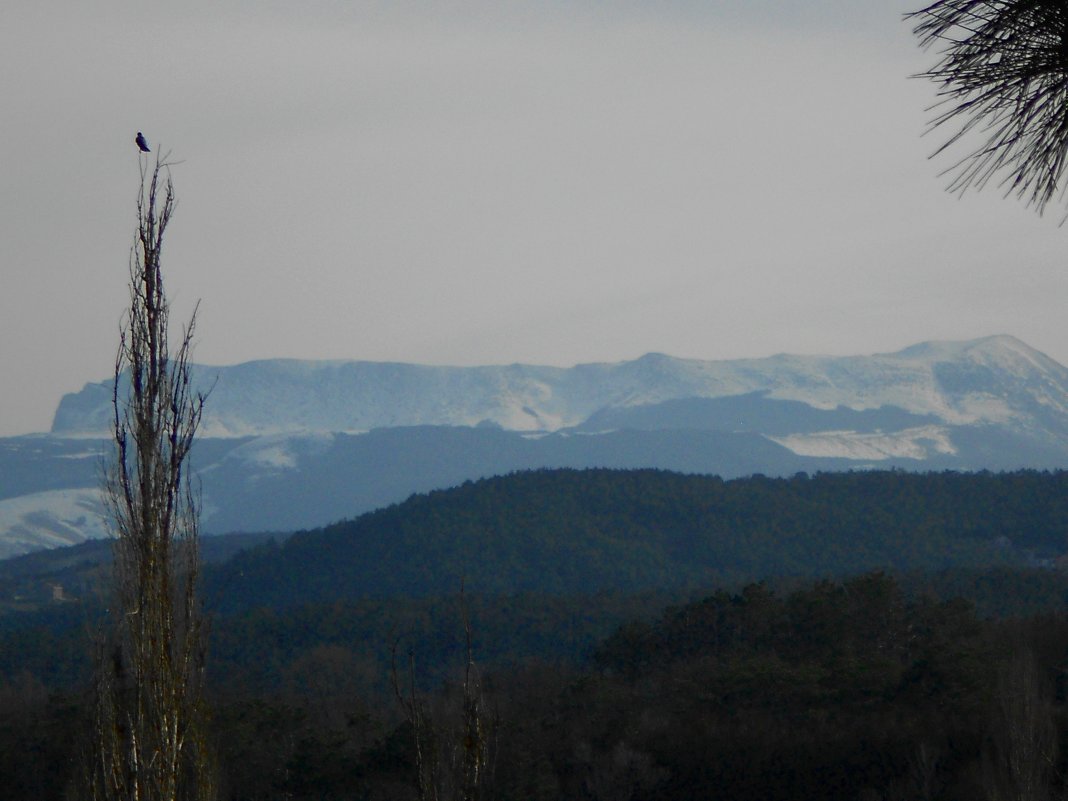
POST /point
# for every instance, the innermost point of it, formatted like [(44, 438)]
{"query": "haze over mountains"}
[(294, 444)]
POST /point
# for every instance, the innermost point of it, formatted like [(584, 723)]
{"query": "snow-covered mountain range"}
[(995, 379), (289, 444)]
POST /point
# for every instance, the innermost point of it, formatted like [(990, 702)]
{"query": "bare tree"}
[(1022, 762), (1003, 77), (148, 739), (452, 753)]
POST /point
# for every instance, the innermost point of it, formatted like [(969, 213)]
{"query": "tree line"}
[(860, 688)]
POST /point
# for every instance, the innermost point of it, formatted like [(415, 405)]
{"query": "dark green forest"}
[(638, 635), (569, 531)]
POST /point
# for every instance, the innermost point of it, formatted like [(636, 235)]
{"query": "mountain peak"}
[(952, 350)]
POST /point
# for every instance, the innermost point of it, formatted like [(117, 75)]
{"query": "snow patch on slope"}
[(912, 443), (50, 519)]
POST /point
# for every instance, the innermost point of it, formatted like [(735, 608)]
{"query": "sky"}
[(495, 182)]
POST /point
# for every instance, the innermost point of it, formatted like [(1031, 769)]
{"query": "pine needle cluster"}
[(1003, 77)]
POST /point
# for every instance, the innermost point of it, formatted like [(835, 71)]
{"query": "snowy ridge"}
[(996, 380)]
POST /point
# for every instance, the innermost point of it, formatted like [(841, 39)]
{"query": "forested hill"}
[(568, 531)]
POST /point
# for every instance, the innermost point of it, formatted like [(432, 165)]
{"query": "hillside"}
[(569, 532)]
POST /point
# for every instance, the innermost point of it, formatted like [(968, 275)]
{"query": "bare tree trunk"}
[(148, 740), (1022, 765), (452, 755), (474, 757)]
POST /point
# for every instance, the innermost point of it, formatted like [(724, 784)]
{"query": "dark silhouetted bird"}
[(141, 143)]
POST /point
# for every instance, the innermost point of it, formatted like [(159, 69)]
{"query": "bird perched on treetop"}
[(141, 143)]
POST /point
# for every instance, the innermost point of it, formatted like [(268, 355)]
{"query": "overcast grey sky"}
[(495, 182)]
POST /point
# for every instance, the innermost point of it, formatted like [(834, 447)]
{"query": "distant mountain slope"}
[(993, 380), (330, 440), (568, 532)]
